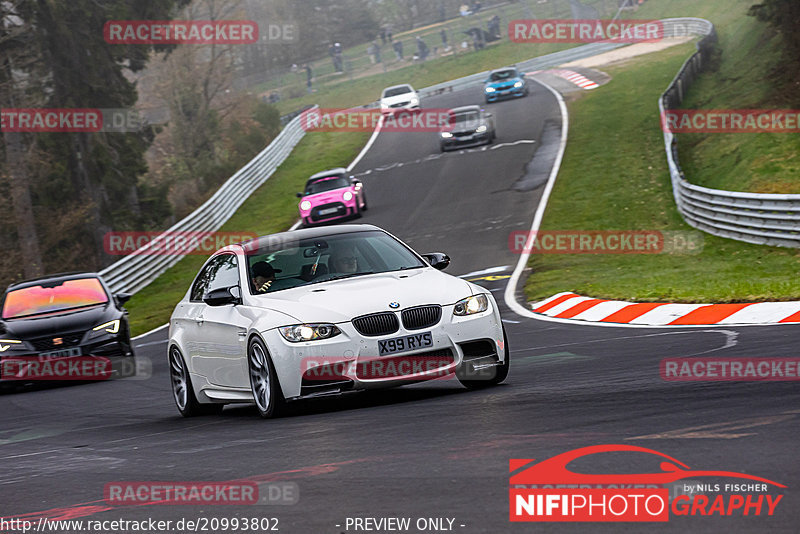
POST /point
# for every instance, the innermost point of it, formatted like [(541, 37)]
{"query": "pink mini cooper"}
[(331, 195)]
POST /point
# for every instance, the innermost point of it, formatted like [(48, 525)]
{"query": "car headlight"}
[(111, 327), (518, 84), (481, 128), (348, 196), (305, 205), (6, 344), (490, 89), (471, 305), (447, 135), (414, 101), (308, 332)]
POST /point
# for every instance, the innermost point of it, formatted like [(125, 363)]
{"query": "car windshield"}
[(56, 297), (503, 75), (469, 118), (320, 259), (397, 91), (327, 184)]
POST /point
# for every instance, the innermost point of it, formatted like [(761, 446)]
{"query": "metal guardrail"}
[(760, 218), (133, 272)]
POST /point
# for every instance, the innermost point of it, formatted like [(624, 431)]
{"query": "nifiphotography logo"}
[(549, 491)]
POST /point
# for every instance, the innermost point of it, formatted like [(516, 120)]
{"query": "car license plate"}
[(405, 343), (63, 353), (328, 211)]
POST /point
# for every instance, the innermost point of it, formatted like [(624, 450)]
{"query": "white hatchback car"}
[(324, 311), (399, 98)]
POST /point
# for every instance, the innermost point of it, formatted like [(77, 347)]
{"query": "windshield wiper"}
[(351, 275)]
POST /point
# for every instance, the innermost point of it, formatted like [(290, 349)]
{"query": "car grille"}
[(400, 104), (463, 134), (377, 324), (341, 210), (505, 87), (67, 340), (421, 317)]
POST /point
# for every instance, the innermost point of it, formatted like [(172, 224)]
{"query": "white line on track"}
[(490, 270), (150, 343), (366, 148), (153, 331)]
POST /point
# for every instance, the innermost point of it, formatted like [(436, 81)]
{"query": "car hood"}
[(327, 197), (341, 300), (406, 97), (60, 323)]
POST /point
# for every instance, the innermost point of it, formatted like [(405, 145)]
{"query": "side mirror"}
[(223, 296), (299, 195), (438, 260), (122, 298)]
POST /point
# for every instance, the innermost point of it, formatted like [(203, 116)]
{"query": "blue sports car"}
[(505, 83)]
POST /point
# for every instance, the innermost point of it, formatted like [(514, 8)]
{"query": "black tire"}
[(498, 373), (182, 390), (364, 198), (357, 214), (264, 383)]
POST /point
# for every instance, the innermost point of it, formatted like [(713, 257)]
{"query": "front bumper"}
[(403, 109), (351, 361), (505, 94), (466, 142), (345, 211), (97, 359)]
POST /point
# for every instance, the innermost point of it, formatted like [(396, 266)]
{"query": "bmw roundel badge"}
[(394, 305)]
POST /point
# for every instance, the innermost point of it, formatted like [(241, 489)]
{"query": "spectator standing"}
[(398, 50), (337, 57), (422, 49), (309, 78)]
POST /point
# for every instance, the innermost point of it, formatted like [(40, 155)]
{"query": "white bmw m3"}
[(324, 311)]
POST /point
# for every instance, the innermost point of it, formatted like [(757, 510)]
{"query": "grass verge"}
[(272, 208), (755, 162), (614, 177)]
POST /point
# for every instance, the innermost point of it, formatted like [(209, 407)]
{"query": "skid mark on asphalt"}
[(480, 449), (720, 430), (731, 338), (555, 358), (434, 157)]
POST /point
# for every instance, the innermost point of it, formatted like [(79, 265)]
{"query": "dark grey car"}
[(468, 126)]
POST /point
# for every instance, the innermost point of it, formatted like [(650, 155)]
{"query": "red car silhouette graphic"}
[(554, 470)]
